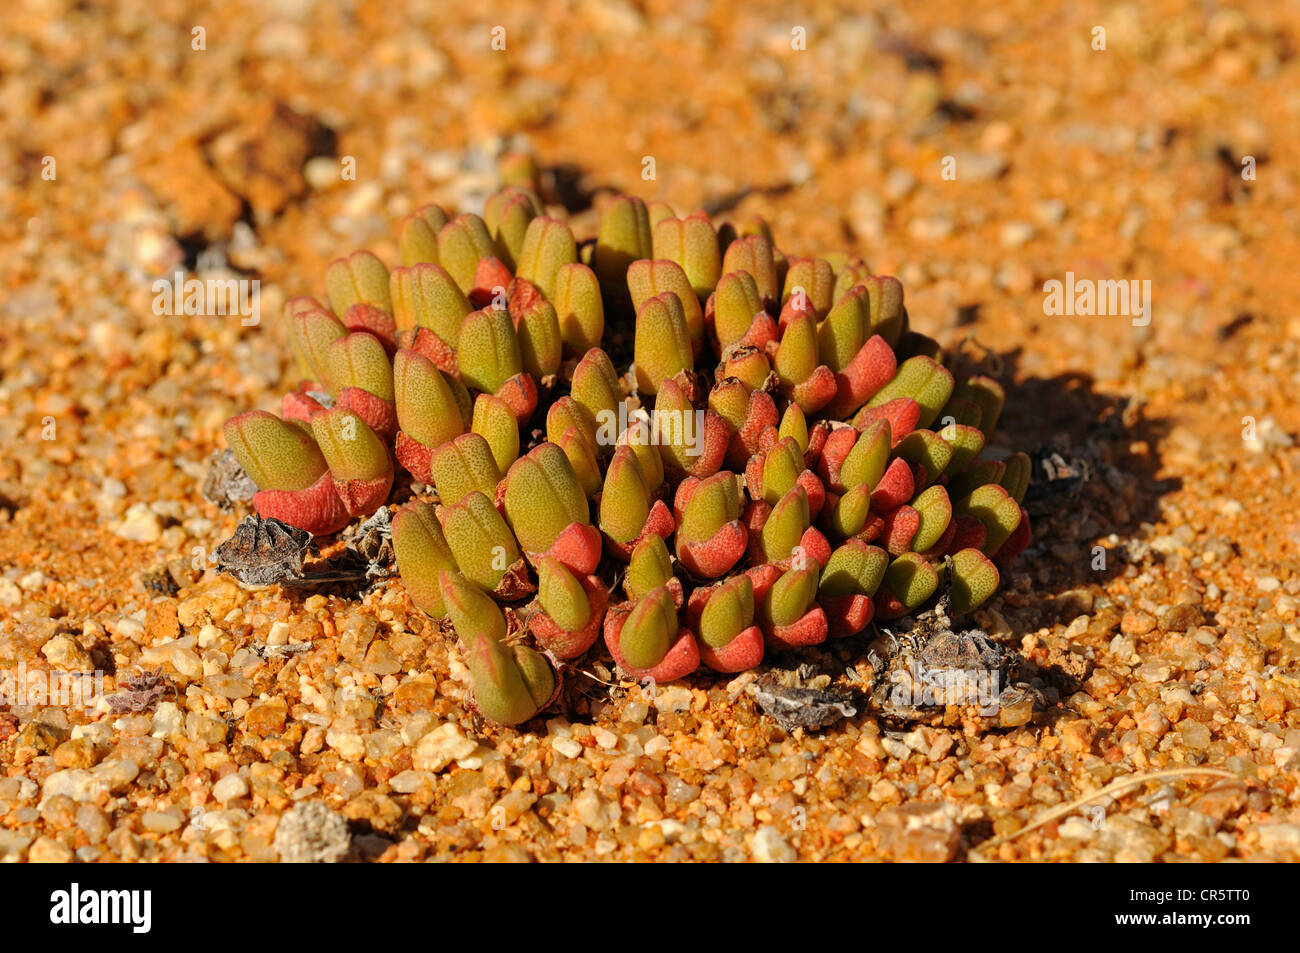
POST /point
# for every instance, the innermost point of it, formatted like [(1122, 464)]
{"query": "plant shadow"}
[(1095, 488)]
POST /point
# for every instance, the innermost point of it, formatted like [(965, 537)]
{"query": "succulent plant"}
[(782, 460)]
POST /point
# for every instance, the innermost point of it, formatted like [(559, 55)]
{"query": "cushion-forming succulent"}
[(782, 460)]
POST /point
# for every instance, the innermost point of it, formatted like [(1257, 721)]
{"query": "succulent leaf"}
[(540, 345), (509, 685), (662, 343), (484, 548), (809, 285), (313, 332), (921, 379), (276, 454), (649, 567), (495, 422), (646, 278), (996, 509), (728, 612), (425, 296), (753, 254), (625, 501), (548, 247), (507, 214), (989, 395), (418, 239), (561, 595), (692, 242), (579, 308), (542, 497), (649, 629), (427, 408), (733, 308), (422, 554), (623, 238), (463, 465), (462, 243), (361, 278), (974, 579), (487, 354)]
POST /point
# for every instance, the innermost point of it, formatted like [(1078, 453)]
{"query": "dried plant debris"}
[(801, 699), (372, 541), (926, 664), (1057, 477), (226, 484), (138, 692), (366, 559), (264, 551), (262, 650)]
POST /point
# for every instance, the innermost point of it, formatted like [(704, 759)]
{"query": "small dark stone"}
[(160, 582), (1184, 616)]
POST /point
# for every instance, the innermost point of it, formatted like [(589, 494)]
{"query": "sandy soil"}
[(1168, 156)]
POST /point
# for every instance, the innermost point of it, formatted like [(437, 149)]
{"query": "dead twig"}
[(1113, 788)]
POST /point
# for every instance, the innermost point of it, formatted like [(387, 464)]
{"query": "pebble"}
[(160, 822), (75, 783), (931, 228), (1282, 840), (980, 166), (1180, 618), (673, 698), (228, 686), (230, 788), (1049, 212), (116, 774), (924, 832), (140, 524), (212, 600), (440, 747), (1195, 735), (76, 753), (1015, 233), (567, 747), (768, 846), (594, 812), (47, 850), (1137, 623), (65, 653), (409, 781), (895, 748)]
